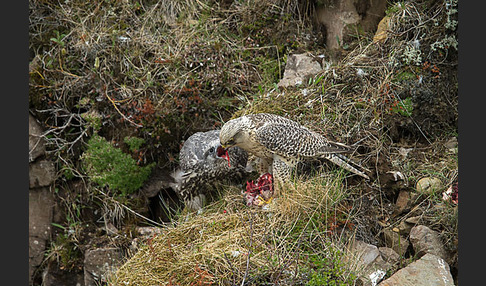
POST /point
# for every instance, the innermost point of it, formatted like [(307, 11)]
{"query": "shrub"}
[(107, 165)]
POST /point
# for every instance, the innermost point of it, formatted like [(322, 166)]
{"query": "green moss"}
[(109, 166)]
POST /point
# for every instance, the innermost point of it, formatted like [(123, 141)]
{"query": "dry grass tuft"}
[(230, 243)]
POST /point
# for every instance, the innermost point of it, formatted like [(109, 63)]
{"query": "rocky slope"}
[(144, 76)]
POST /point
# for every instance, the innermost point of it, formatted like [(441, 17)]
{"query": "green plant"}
[(396, 8), (65, 251), (59, 38), (403, 107), (329, 269), (93, 119), (134, 143), (109, 166)]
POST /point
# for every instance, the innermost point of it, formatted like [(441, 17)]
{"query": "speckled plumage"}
[(280, 143), (200, 167)]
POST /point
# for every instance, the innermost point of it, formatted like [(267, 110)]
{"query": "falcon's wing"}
[(287, 140)]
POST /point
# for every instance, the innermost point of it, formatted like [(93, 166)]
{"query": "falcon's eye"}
[(211, 149)]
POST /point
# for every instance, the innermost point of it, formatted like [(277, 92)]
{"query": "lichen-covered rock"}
[(99, 263), (430, 270), (428, 185), (299, 68)]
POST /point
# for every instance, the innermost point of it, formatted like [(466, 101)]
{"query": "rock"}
[(402, 203), (299, 68), (41, 174), (99, 263), (413, 219), (54, 276), (37, 247), (148, 231), (452, 145), (335, 18), (389, 255), (430, 270), (369, 260), (395, 241), (340, 18), (36, 142), (428, 185), (404, 228), (41, 203), (366, 253), (424, 240)]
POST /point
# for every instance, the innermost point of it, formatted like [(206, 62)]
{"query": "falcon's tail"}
[(347, 164), (333, 147)]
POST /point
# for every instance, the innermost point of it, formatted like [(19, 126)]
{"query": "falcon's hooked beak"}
[(223, 153)]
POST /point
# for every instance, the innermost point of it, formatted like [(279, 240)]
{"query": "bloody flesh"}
[(223, 153), (264, 183)]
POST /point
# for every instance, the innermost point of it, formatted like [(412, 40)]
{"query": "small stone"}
[(395, 241), (413, 220), (428, 185), (367, 253), (404, 228), (430, 270), (451, 145), (299, 68), (403, 202), (389, 255), (425, 240)]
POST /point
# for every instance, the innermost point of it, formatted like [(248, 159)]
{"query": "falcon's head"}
[(235, 132), (203, 162), (216, 152)]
